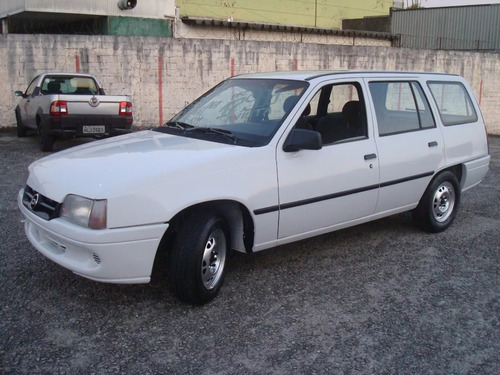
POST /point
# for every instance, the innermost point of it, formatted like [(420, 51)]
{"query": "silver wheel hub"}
[(214, 258), (443, 202)]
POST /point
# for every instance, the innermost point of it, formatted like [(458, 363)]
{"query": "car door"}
[(410, 145), (29, 104), (320, 189)]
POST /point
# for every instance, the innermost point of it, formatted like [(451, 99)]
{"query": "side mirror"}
[(18, 93), (303, 139)]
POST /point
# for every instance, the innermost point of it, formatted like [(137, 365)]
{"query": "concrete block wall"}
[(164, 74)]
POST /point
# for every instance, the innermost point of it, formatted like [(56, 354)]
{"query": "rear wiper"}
[(225, 133)]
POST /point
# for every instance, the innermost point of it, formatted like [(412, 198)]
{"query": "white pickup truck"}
[(63, 105), (259, 161)]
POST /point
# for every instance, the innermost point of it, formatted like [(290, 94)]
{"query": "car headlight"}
[(85, 212)]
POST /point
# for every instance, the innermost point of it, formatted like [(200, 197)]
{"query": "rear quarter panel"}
[(463, 142), (41, 106), (466, 144)]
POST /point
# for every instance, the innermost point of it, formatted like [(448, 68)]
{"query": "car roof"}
[(65, 74), (307, 75)]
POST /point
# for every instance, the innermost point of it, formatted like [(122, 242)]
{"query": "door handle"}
[(370, 156), (432, 144)]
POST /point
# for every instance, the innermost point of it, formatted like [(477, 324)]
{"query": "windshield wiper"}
[(188, 128), (224, 133), (179, 125)]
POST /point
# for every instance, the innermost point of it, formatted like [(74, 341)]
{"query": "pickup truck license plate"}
[(94, 129)]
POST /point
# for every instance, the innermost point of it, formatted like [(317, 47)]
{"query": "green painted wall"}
[(314, 13), (133, 26)]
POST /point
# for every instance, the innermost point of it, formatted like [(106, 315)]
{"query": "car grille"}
[(40, 205)]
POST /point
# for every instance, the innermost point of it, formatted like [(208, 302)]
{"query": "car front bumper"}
[(122, 255)]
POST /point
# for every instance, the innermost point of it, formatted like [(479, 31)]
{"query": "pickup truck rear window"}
[(453, 102), (69, 85)]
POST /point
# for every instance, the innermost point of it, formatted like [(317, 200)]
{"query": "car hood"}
[(102, 169)]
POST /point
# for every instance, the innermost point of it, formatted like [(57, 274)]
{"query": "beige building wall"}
[(313, 13)]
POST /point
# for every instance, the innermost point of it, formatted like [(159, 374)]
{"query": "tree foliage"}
[(413, 4)]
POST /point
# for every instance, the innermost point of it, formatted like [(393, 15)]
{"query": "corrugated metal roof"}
[(203, 21), (454, 28)]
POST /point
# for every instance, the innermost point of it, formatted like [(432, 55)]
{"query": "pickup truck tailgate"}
[(97, 105), (96, 115)]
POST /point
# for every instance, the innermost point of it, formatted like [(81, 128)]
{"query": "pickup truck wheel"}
[(45, 141), (439, 204), (197, 261), (21, 129)]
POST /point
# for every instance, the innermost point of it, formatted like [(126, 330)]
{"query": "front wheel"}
[(21, 129), (439, 204), (198, 258)]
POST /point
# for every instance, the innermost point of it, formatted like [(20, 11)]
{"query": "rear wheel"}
[(198, 258), (439, 204), (45, 141)]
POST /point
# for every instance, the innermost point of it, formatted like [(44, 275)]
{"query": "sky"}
[(442, 3)]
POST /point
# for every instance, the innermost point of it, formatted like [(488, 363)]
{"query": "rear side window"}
[(31, 87), (400, 107), (453, 102)]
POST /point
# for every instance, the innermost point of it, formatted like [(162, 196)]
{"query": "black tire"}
[(45, 141), (198, 258), (439, 204), (21, 129)]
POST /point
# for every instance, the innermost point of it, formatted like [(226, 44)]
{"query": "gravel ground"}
[(380, 298)]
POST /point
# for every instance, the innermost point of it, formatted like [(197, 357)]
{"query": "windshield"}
[(240, 111)]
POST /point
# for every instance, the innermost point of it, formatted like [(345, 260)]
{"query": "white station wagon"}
[(259, 161)]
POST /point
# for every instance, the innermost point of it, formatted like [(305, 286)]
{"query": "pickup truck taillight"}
[(58, 108), (125, 109)]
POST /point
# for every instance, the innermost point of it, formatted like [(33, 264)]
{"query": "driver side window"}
[(337, 112)]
